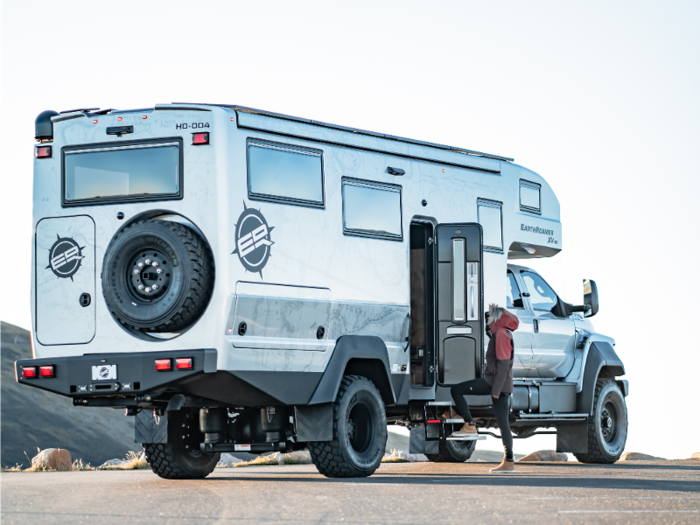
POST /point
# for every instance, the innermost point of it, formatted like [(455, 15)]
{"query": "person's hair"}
[(495, 313)]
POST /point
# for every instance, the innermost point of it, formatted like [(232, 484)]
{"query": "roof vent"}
[(43, 126)]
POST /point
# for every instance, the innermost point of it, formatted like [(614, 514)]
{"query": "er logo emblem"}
[(253, 240), (65, 257)]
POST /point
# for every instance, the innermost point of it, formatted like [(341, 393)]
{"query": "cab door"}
[(554, 337), (522, 337), (460, 302)]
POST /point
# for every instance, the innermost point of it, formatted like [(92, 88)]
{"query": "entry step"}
[(476, 437)]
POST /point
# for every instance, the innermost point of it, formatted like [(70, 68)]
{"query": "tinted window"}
[(372, 210), (513, 297), (138, 172), (490, 220), (529, 196), (285, 174), (542, 297)]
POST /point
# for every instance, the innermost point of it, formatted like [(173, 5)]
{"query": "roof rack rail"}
[(353, 130)]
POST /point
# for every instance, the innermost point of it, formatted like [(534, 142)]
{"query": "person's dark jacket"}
[(499, 355)]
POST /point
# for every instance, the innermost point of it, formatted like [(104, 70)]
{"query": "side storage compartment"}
[(65, 280)]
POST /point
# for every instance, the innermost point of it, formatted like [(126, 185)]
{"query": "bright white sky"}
[(599, 97)]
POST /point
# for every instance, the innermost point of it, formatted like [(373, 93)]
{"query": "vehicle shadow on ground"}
[(524, 479), (617, 466)]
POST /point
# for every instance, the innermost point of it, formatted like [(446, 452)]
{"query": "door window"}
[(513, 297), (489, 214), (542, 297)]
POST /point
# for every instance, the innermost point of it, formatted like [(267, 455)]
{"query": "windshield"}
[(124, 173)]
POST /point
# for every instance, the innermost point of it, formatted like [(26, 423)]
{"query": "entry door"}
[(460, 302)]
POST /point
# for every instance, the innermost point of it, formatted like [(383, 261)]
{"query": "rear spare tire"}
[(157, 276)]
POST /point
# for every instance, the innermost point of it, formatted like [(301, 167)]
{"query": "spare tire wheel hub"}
[(150, 274)]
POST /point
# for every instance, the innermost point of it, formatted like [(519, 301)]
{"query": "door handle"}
[(536, 325)]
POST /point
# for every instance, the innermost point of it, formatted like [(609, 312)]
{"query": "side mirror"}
[(590, 298)]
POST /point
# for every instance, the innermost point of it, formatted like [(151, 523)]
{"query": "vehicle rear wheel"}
[(453, 451), (157, 276), (180, 457), (607, 427), (359, 431)]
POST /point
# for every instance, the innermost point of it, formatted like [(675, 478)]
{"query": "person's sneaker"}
[(504, 468), (466, 430)]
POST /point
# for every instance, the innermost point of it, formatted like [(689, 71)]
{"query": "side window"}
[(489, 213), (542, 297), (372, 210), (285, 174), (513, 297), (530, 196)]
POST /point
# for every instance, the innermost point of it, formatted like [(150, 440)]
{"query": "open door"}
[(460, 298)]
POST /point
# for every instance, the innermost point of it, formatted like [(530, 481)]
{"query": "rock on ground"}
[(227, 460), (637, 456), (52, 458), (545, 455), (696, 455), (111, 463)]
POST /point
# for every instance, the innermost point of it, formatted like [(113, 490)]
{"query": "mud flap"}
[(314, 422), (573, 438), (418, 445), (149, 427)]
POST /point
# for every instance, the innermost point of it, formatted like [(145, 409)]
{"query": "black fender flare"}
[(361, 355), (601, 361)]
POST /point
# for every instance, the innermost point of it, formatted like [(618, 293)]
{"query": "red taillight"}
[(119, 119), (29, 372), (200, 138), (183, 363), (164, 364), (42, 152), (94, 121), (145, 117), (433, 421), (47, 371)]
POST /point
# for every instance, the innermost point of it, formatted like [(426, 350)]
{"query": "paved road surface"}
[(552, 493)]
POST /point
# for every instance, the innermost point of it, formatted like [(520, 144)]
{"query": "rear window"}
[(123, 173)]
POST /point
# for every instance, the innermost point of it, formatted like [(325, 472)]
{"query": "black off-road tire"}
[(607, 427), (180, 457), (359, 432), (185, 283), (453, 451)]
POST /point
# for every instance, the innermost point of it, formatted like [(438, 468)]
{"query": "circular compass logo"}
[(253, 240), (65, 257)]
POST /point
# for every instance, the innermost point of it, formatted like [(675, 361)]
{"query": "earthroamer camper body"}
[(269, 283)]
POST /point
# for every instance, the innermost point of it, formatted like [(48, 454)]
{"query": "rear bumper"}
[(136, 375)]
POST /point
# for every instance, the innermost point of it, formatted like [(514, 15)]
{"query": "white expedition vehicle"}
[(240, 280)]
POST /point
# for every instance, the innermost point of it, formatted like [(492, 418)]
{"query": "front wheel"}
[(180, 457), (453, 451), (359, 432), (607, 427)]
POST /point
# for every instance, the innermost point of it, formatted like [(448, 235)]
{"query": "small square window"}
[(491, 221), (372, 210), (529, 196)]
